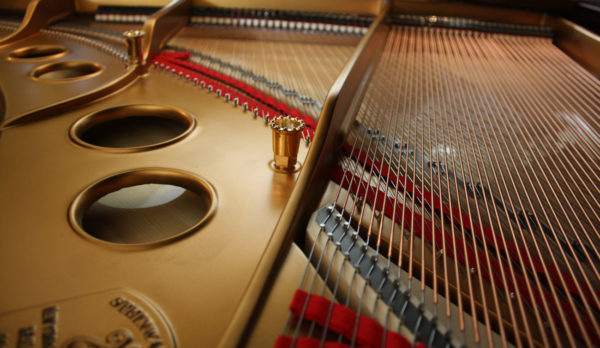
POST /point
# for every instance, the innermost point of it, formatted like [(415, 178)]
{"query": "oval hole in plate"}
[(66, 71), (143, 207), (38, 52), (132, 128)]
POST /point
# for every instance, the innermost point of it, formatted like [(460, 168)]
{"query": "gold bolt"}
[(286, 141), (133, 39)]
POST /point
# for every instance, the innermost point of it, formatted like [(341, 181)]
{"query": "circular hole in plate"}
[(143, 207), (66, 71), (38, 52), (132, 128)]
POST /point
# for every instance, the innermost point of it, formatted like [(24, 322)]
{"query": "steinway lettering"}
[(139, 319), (26, 337), (49, 328)]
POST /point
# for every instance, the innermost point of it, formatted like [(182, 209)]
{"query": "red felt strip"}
[(307, 342), (342, 320), (178, 63)]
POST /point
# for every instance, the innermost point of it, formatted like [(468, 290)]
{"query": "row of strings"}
[(476, 156), (305, 69)]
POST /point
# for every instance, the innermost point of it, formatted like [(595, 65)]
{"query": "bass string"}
[(527, 198), (542, 194), (470, 128), (575, 180), (487, 207), (564, 193), (484, 130), (467, 125)]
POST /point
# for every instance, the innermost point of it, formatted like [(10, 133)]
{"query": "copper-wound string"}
[(528, 199), (381, 111), (543, 193), (455, 116), (583, 88), (389, 113), (458, 109), (438, 161), (396, 62), (421, 113), (464, 94), (579, 183), (498, 112), (558, 203), (568, 197), (589, 155), (396, 112), (479, 113), (495, 230), (468, 174), (452, 135)]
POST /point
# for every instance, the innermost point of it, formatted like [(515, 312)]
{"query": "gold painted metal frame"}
[(40, 13)]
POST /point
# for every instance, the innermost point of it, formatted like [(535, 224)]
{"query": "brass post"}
[(286, 141), (135, 50)]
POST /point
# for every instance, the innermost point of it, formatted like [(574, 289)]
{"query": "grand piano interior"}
[(299, 174)]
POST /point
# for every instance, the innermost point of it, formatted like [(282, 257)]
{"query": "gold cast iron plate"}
[(24, 93), (198, 280)]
